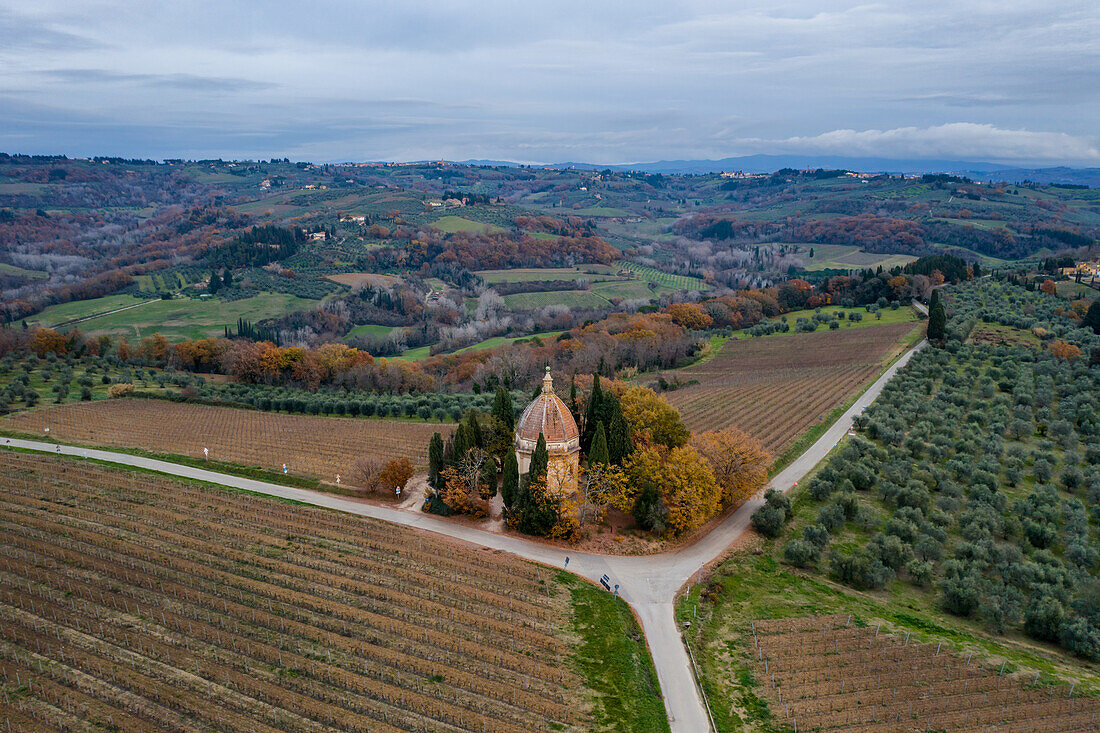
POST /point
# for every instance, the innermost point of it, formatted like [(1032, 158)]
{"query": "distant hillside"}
[(771, 163)]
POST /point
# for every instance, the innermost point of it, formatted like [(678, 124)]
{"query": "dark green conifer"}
[(592, 413), (937, 318), (510, 480), (599, 453), (435, 460), (620, 443)]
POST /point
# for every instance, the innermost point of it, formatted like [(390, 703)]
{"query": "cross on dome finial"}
[(548, 382)]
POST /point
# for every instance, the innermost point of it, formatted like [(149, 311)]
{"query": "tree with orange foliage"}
[(739, 461), (689, 315), (395, 475), (48, 341), (1048, 287), (1062, 350), (898, 285)]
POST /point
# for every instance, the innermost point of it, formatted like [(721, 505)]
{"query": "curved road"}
[(648, 583)]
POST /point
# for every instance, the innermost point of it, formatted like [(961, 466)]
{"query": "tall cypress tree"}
[(937, 318), (503, 422), (524, 503), (609, 408), (510, 482), (435, 460), (462, 442), (573, 408), (599, 453), (620, 443), (473, 430), (503, 410), (592, 413)]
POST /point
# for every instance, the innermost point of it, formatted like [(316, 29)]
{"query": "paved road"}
[(649, 584)]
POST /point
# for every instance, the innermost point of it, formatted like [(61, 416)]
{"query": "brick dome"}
[(548, 415)]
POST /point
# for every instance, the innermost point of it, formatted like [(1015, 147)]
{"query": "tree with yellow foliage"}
[(684, 481), (739, 461), (652, 419)]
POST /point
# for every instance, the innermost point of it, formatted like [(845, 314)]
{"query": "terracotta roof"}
[(547, 415)]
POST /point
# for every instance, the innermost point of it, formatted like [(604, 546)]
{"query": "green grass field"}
[(1072, 290), (847, 257), (178, 319), (571, 298), (370, 329), (422, 352), (452, 224), (903, 314), (627, 289), (57, 314), (600, 211), (20, 272)]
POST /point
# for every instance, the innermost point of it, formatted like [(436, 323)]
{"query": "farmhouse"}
[(550, 417)]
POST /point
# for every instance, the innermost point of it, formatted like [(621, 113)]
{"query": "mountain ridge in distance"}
[(762, 163)]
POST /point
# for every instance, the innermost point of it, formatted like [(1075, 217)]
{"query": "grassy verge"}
[(613, 658)]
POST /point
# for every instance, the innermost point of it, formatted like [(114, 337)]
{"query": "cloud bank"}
[(546, 82)]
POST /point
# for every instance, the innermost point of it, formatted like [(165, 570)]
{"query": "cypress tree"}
[(215, 283), (510, 482), (462, 442), (536, 517), (609, 407), (620, 443), (227, 278), (573, 399), (473, 430), (503, 422), (504, 412), (599, 453), (592, 413), (524, 503), (435, 460), (937, 318), (540, 459)]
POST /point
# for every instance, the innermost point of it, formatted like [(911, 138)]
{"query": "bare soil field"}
[(778, 387), (320, 447), (133, 602), (826, 673)]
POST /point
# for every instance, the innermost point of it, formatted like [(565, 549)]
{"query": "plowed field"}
[(826, 673), (133, 602), (776, 388), (310, 446)]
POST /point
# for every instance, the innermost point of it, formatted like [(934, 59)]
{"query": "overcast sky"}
[(1014, 81)]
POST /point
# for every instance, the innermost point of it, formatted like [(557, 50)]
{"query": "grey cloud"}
[(562, 79), (19, 33), (192, 82)]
